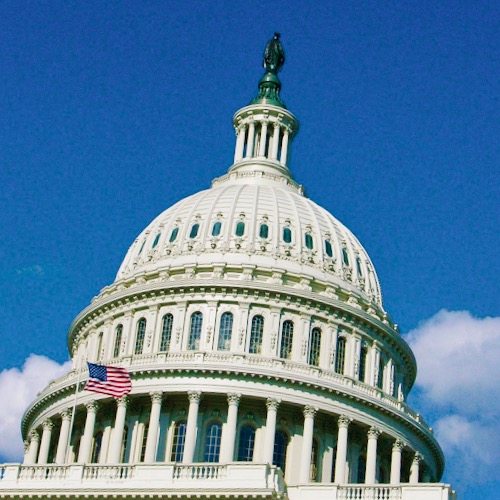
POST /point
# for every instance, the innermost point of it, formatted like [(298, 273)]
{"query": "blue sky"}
[(113, 111)]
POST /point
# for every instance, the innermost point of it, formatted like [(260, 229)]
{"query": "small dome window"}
[(142, 246), (157, 239), (309, 241), (345, 256), (358, 265), (173, 234), (194, 231), (240, 228), (328, 248), (287, 235), (216, 228), (264, 231)]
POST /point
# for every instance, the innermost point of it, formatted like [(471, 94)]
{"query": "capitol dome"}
[(261, 359)]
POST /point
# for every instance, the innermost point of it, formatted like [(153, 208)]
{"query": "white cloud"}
[(458, 387), (18, 388), (35, 270)]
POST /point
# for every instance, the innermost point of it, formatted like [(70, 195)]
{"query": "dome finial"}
[(270, 85)]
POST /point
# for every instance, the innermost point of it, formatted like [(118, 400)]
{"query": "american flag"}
[(110, 380)]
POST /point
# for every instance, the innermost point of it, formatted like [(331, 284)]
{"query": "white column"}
[(250, 140), (341, 459), (26, 444), (191, 426), (415, 468), (307, 444), (154, 425), (240, 143), (397, 449), (229, 433), (88, 433), (117, 434), (371, 456), (34, 438), (272, 412), (284, 147), (263, 139), (62, 443), (275, 143), (43, 455)]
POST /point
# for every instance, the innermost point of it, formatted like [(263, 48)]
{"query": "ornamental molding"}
[(48, 425), (398, 445), (233, 399), (122, 402), (272, 404), (156, 397), (373, 433), (344, 421), (310, 411), (194, 397)]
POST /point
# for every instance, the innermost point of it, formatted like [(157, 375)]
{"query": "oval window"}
[(173, 234), (358, 265), (216, 228), (309, 241), (240, 228), (194, 230), (328, 248), (287, 235), (345, 256), (264, 231), (157, 239), (142, 246)]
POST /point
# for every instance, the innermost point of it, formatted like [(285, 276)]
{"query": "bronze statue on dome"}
[(274, 55)]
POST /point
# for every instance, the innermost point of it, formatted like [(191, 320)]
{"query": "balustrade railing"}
[(108, 472), (368, 493), (45, 472), (193, 472)]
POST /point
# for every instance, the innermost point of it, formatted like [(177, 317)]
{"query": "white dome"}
[(241, 221)]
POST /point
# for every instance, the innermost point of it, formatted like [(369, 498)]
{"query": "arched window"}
[(240, 228), (144, 441), (139, 338), (362, 363), (340, 355), (194, 231), (280, 446), (195, 331), (99, 352), (314, 460), (212, 442), (166, 332), (156, 240), (178, 441), (216, 228), (314, 346), (118, 340), (309, 241), (256, 333), (264, 231), (225, 331), (345, 256), (328, 248), (361, 468), (380, 374), (286, 340), (246, 443), (123, 452), (96, 449), (287, 235), (173, 234)]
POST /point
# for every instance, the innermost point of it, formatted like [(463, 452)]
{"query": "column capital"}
[(122, 401), (48, 424), (272, 403), (194, 396), (156, 396), (310, 411), (26, 445), (344, 421), (92, 406), (66, 414), (398, 445), (417, 458), (373, 433), (233, 399), (34, 435)]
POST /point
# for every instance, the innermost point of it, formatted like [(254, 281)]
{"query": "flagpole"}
[(74, 410)]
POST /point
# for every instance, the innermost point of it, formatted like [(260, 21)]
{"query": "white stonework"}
[(263, 362)]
